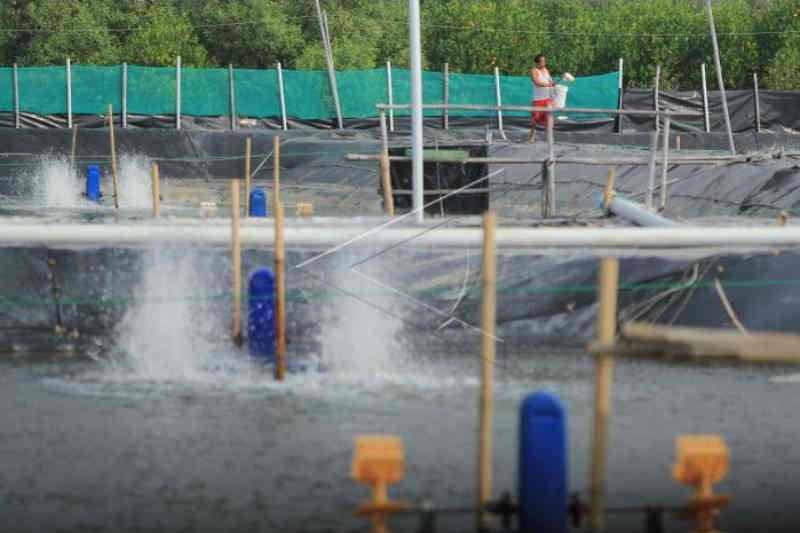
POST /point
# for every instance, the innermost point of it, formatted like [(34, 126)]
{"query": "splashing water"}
[(360, 340), (53, 183), (135, 185), (171, 332)]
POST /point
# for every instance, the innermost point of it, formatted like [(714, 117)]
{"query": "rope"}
[(728, 307)]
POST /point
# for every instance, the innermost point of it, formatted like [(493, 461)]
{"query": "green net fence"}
[(206, 91)]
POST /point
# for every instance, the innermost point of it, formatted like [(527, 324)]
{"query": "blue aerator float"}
[(258, 203), (93, 183)]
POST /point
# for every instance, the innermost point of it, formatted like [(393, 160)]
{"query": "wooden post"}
[(73, 147), (706, 118), (651, 168), (655, 97), (247, 148), (606, 331), (499, 100), (386, 178), (114, 176), (608, 193), (620, 95), (390, 94), (282, 95), (16, 96), (156, 191), (550, 167), (280, 282), (665, 164), (488, 318), (236, 332), (677, 143), (757, 103)]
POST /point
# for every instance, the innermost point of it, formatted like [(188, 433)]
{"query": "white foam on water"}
[(53, 183), (135, 181), (786, 378)]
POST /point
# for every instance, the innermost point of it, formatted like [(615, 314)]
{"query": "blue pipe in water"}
[(93, 183), (258, 203)]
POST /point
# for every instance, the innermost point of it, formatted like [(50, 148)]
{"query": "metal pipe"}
[(655, 97), (284, 123), (651, 168), (232, 98), (124, 95), (178, 92), (16, 97), (550, 167), (620, 95), (329, 61), (588, 110), (639, 215), (757, 102), (33, 232), (665, 165), (417, 177), (499, 100), (446, 95), (69, 94), (390, 94), (706, 118), (634, 161), (720, 80)]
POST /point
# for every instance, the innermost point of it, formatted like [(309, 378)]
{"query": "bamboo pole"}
[(706, 117), (282, 95), (606, 331), (280, 282), (651, 169), (620, 95), (247, 183), (677, 143), (326, 43), (236, 332), (488, 318), (634, 161), (73, 147), (499, 99), (232, 104), (386, 178), (178, 92), (114, 176), (550, 167), (390, 94), (665, 165), (156, 191), (531, 109), (608, 193)]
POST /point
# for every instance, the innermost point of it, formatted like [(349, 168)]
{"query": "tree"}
[(161, 33)]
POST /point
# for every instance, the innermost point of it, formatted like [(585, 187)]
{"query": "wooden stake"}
[(74, 147), (488, 317), (606, 331), (247, 148), (280, 282), (608, 194), (113, 156), (677, 143), (156, 191), (236, 332), (386, 179), (665, 165)]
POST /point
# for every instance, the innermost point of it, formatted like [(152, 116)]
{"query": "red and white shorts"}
[(540, 116)]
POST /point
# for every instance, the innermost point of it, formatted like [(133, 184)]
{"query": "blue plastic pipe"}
[(93, 183), (542, 465), (261, 315)]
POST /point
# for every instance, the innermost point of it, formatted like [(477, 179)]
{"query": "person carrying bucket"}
[(542, 91)]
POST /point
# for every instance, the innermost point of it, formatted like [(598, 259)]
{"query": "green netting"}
[(257, 93), (151, 90), (43, 90), (93, 88), (206, 92), (6, 89)]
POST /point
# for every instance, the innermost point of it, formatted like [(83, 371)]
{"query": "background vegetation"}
[(582, 36)]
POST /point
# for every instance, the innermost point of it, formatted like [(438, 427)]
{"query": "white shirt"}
[(542, 93)]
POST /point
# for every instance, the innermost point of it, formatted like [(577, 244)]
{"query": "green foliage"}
[(581, 36)]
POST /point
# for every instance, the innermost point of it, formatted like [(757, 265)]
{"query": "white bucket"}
[(560, 96)]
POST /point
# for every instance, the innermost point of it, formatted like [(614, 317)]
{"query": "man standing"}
[(542, 85)]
